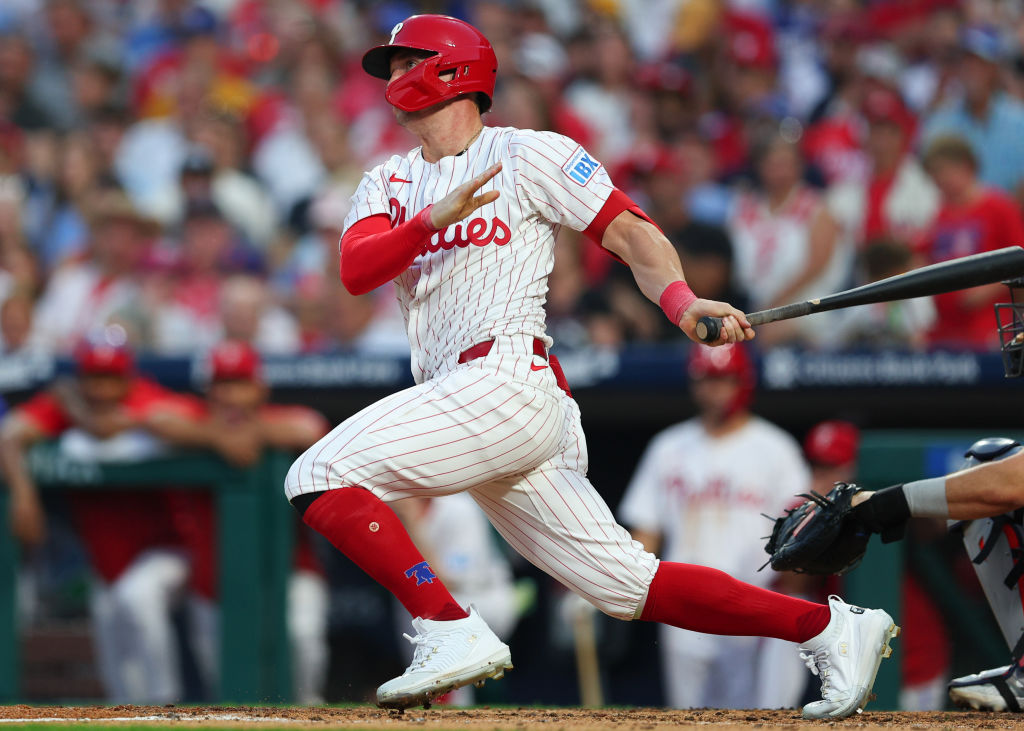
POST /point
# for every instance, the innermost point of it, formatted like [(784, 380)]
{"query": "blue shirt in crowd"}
[(997, 140)]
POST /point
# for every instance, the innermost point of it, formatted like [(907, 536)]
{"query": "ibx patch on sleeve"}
[(581, 166)]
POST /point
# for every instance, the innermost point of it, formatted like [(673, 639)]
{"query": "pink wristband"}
[(675, 300), (424, 219)]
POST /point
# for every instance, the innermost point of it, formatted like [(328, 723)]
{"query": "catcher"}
[(984, 502)]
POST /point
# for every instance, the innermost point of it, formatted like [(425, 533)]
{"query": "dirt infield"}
[(550, 719)]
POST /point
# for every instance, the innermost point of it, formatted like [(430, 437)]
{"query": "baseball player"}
[(465, 225), (709, 511), (984, 503), (236, 421), (140, 572)]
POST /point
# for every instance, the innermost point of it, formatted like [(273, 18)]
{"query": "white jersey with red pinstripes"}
[(486, 275), (496, 426)]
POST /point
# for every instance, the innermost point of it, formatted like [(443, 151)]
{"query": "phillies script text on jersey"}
[(463, 233), (709, 510)]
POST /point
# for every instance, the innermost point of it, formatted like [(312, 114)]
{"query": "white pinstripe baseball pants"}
[(500, 428)]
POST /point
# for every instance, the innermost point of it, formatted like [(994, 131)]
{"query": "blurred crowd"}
[(182, 169)]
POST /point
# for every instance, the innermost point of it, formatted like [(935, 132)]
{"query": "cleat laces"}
[(819, 664), (432, 652), (422, 655)]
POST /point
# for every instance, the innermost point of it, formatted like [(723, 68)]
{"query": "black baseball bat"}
[(947, 276)]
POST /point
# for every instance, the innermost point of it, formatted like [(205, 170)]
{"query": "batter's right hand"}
[(735, 327), (461, 202)]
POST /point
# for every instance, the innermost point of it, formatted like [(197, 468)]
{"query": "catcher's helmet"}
[(990, 449), (1010, 321), (725, 360), (456, 46)]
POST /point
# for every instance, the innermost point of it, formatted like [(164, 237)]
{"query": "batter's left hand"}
[(735, 327)]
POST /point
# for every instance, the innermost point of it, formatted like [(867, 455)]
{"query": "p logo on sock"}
[(422, 573)]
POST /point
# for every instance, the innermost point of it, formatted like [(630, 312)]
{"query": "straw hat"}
[(115, 205)]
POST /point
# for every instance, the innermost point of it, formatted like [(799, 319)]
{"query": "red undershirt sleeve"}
[(617, 203), (46, 414), (373, 253)]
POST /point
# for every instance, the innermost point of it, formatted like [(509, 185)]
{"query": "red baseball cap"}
[(832, 443), (884, 105), (850, 27), (750, 41), (103, 359), (648, 162), (664, 76), (234, 360)]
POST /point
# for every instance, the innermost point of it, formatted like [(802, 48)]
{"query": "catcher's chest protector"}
[(996, 549)]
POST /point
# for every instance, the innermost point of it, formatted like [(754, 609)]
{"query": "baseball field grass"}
[(368, 718)]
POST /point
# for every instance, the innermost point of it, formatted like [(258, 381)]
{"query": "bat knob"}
[(708, 329)]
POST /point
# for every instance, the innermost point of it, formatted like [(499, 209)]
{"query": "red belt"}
[(481, 349)]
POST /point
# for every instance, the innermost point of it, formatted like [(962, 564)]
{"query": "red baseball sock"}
[(708, 600), (366, 530)]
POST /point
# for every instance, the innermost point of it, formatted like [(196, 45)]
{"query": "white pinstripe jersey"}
[(486, 275)]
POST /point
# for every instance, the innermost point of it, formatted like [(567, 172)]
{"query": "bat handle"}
[(708, 328)]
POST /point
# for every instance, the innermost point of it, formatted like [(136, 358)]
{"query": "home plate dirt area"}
[(549, 719)]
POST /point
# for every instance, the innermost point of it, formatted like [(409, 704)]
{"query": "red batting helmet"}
[(832, 443), (456, 46), (731, 360)]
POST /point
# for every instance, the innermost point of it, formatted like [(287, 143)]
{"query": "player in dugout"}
[(710, 511), (465, 225), (237, 421), (99, 414)]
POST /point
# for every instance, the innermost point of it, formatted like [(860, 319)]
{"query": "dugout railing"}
[(255, 527)]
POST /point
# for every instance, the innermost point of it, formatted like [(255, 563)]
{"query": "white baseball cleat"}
[(846, 656), (998, 689), (448, 655)]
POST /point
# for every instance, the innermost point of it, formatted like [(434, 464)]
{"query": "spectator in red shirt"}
[(973, 218), (126, 533)]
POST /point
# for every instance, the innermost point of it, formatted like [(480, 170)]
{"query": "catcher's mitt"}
[(820, 536)]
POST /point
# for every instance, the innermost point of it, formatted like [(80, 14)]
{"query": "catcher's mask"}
[(1010, 321)]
